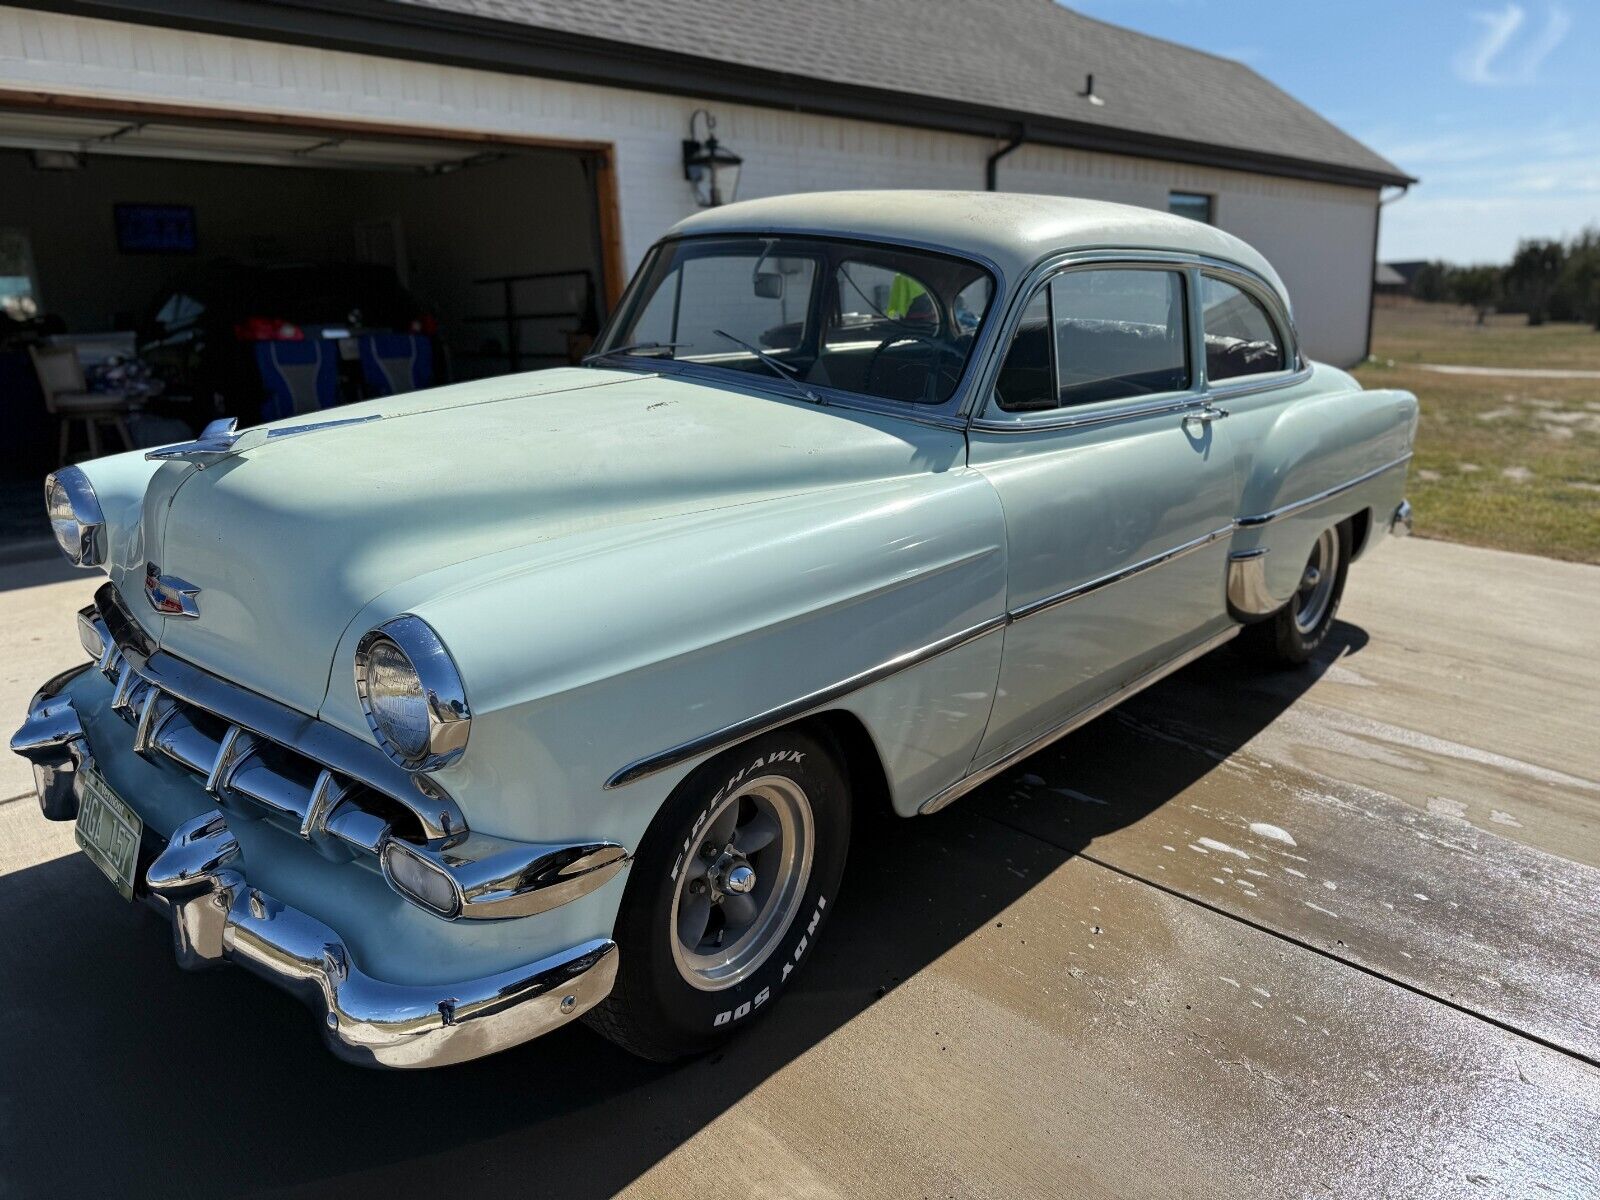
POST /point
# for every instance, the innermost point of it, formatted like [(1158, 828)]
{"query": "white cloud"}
[(1497, 55)]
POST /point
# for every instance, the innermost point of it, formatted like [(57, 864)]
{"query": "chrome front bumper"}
[(218, 917), (198, 882)]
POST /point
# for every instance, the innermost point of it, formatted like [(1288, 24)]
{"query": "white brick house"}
[(798, 95)]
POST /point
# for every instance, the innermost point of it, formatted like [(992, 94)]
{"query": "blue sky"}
[(1495, 106)]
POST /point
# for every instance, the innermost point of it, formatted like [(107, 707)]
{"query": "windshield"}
[(874, 320)]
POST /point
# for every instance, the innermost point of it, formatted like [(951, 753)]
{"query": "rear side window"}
[(1241, 339), (1105, 334)]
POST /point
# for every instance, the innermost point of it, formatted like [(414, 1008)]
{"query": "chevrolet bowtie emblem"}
[(169, 595)]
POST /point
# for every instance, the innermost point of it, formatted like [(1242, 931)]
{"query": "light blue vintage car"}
[(465, 713)]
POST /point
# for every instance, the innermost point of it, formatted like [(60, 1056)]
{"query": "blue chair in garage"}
[(300, 377), (396, 362)]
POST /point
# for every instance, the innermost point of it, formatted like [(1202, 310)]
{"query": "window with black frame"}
[(873, 320)]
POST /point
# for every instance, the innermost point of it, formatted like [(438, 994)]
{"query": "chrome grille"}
[(248, 773)]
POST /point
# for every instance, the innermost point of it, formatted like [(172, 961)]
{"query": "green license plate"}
[(108, 830)]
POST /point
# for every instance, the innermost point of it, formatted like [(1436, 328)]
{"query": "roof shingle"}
[(1025, 57)]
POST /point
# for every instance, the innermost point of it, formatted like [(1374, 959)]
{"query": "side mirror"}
[(769, 285)]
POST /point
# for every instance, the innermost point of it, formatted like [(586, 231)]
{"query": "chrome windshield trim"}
[(1266, 518), (1078, 591), (762, 722)]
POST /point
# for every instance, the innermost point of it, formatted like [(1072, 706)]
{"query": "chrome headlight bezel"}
[(84, 542), (449, 717)]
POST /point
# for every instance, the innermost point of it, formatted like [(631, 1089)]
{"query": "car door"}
[(1118, 489)]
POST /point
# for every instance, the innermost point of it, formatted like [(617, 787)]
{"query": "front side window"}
[(873, 320), (1241, 339), (1100, 334)]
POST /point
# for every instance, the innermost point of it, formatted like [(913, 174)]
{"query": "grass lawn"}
[(1505, 462)]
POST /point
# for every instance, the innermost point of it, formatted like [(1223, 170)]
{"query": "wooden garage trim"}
[(608, 211)]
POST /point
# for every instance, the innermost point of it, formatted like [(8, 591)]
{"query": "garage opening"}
[(157, 274)]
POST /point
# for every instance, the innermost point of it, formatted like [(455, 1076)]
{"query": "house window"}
[(1195, 205), (19, 286)]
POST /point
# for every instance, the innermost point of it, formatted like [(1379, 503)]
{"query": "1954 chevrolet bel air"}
[(465, 713)]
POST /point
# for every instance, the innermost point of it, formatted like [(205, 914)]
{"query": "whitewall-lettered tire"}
[(727, 894)]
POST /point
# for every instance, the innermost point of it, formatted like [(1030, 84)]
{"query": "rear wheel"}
[(726, 895), (1293, 634)]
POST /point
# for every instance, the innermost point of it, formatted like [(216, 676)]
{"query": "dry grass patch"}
[(1408, 331), (1501, 461)]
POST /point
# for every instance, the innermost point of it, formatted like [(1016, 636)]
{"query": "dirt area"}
[(1312, 933), (1501, 461)]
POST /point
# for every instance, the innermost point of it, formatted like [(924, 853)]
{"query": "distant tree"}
[(1478, 287), (1577, 292), (1531, 279), (1430, 282)]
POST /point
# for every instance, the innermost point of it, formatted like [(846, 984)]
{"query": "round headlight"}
[(412, 694), (75, 516)]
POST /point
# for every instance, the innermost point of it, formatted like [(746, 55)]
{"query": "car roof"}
[(1012, 230)]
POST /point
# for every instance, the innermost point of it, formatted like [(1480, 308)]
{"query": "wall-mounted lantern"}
[(711, 169)]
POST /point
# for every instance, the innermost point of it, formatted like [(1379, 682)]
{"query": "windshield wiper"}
[(780, 368), (639, 348)]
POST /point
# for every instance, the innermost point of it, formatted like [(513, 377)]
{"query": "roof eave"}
[(419, 33)]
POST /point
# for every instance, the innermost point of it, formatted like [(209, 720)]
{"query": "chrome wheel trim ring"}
[(770, 803), (1315, 593)]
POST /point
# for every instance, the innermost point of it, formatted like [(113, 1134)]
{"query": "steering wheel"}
[(940, 349)]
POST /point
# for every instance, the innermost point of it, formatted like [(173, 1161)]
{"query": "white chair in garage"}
[(67, 397)]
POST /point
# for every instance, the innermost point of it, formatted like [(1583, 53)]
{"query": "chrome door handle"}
[(1207, 414)]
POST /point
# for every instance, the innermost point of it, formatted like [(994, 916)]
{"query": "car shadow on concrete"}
[(126, 1076)]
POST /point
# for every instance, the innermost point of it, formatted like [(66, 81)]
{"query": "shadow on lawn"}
[(125, 1076)]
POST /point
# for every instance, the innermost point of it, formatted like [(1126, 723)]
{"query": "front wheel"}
[(1294, 633), (726, 895)]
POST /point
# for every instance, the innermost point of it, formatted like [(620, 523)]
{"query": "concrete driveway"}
[(1329, 932)]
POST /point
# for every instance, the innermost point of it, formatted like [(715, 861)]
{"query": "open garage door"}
[(159, 271)]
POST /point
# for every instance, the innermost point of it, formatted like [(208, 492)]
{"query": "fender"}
[(1309, 457), (677, 634)]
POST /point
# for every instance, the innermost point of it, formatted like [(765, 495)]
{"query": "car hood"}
[(288, 539)]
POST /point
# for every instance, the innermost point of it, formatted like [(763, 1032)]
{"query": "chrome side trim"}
[(1290, 509), (1246, 385), (983, 774), (784, 713), (1077, 591), (1248, 597), (1180, 402), (217, 917)]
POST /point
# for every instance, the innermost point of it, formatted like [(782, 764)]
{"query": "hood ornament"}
[(169, 595), (221, 438)]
